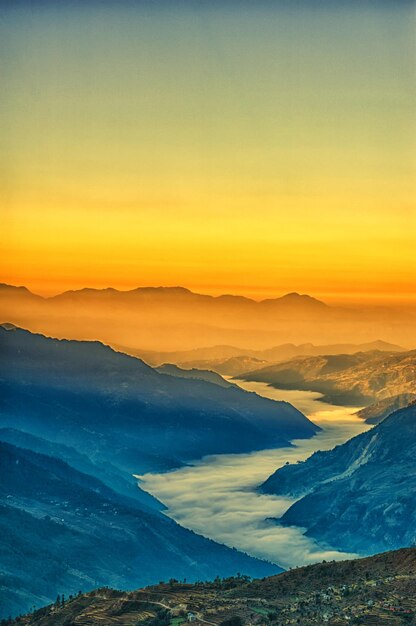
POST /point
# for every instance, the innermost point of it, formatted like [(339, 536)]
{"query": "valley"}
[(217, 496), (223, 467), (208, 313)]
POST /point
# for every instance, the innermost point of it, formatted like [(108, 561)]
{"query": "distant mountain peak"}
[(384, 346), (94, 291), (294, 295), (295, 298), (20, 288), (8, 326), (163, 289)]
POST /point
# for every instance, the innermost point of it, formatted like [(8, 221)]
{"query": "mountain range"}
[(352, 379), (221, 358), (175, 318), (360, 496), (77, 420), (112, 406)]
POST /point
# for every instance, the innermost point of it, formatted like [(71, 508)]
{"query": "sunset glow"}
[(257, 152)]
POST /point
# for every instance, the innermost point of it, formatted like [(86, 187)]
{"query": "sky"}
[(229, 147)]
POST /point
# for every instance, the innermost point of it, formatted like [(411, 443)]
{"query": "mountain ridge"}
[(216, 356), (355, 379), (101, 390), (175, 290), (360, 496), (176, 318), (75, 532)]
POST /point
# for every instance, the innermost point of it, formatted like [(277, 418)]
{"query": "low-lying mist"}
[(217, 496)]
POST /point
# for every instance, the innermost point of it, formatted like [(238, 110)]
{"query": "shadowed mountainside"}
[(114, 408), (105, 471), (63, 530), (198, 374), (360, 496)]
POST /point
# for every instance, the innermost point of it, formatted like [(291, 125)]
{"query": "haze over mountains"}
[(223, 359), (174, 318), (360, 496)]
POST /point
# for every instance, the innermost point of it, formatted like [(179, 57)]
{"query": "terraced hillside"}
[(375, 591)]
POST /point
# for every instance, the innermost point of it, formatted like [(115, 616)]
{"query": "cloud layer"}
[(216, 496)]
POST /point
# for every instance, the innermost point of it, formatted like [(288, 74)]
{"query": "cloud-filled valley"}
[(217, 496)]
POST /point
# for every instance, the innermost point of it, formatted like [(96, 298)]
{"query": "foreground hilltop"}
[(373, 591)]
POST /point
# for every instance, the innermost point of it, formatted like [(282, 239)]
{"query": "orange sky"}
[(252, 152)]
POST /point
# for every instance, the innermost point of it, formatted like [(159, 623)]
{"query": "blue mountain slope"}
[(107, 473), (62, 530), (116, 409), (360, 496)]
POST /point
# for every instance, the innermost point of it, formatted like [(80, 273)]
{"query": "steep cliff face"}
[(360, 496)]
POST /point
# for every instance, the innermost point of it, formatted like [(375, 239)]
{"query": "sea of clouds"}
[(217, 496)]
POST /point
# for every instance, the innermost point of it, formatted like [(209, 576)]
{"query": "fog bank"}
[(216, 496)]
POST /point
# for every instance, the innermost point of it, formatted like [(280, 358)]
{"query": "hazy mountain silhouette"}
[(175, 318), (219, 354)]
